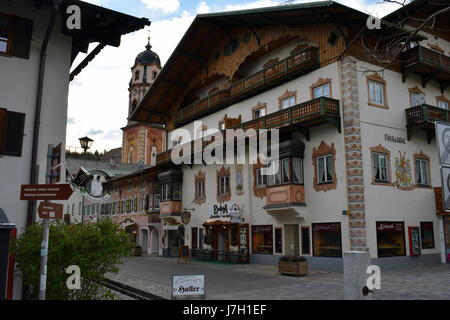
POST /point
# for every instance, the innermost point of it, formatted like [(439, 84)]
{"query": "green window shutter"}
[(22, 30)]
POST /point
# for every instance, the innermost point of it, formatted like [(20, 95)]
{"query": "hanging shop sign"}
[(186, 217), (94, 190), (226, 212)]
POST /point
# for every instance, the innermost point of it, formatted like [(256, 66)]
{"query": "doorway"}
[(291, 240), (144, 240), (154, 244)]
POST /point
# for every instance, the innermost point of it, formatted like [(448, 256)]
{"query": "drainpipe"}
[(37, 117)]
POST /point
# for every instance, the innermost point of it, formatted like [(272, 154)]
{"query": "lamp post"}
[(85, 143)]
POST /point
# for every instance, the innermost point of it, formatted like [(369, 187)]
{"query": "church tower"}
[(141, 142)]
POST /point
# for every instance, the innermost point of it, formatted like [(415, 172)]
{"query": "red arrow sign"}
[(47, 210), (45, 192)]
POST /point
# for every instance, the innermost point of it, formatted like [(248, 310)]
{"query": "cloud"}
[(203, 7), (94, 132), (166, 6), (251, 5), (71, 120), (113, 135)]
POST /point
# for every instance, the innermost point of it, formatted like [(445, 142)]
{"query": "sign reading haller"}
[(443, 143), (188, 285)]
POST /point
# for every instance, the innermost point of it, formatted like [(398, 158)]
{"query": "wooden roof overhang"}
[(206, 32), (98, 24)]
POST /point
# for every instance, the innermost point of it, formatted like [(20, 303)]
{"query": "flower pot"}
[(293, 268)]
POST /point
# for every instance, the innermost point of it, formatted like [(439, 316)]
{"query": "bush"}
[(97, 248), (292, 259)]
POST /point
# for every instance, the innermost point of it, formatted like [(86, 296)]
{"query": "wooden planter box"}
[(293, 268)]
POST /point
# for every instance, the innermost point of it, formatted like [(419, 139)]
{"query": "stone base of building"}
[(336, 264)]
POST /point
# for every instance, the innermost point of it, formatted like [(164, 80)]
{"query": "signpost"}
[(46, 211)]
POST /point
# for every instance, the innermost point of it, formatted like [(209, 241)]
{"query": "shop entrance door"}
[(173, 242), (221, 245), (291, 240)]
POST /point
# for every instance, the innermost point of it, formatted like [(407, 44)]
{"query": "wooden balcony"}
[(426, 63), (299, 63), (423, 117), (300, 117)]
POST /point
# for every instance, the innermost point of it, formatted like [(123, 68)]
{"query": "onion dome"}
[(147, 56)]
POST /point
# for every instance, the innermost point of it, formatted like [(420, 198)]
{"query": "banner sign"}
[(226, 212), (390, 226), (326, 227)]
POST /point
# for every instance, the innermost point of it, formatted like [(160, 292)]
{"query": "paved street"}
[(259, 282)]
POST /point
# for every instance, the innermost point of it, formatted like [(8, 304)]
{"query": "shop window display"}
[(427, 235), (390, 239), (327, 239), (262, 239)]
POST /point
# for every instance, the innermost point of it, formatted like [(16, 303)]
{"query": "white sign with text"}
[(188, 285)]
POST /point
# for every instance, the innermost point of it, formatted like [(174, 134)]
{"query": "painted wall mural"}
[(239, 180), (403, 173)]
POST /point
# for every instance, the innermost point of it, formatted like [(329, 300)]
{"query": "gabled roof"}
[(207, 30)]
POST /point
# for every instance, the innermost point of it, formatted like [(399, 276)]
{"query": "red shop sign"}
[(390, 226), (327, 227)]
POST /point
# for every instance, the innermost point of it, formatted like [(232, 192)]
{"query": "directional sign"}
[(45, 192), (47, 210)]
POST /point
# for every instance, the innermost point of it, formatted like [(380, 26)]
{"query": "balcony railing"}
[(298, 63), (423, 117), (427, 63), (303, 116)]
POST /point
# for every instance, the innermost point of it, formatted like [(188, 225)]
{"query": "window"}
[(258, 113), (442, 102), (5, 34), (200, 189), (15, 36), (176, 191), (297, 170), (144, 77), (261, 180), (11, 132), (157, 200), (136, 75), (416, 97), (327, 239), (262, 237), (380, 167), (390, 239), (376, 92), (224, 185), (413, 44), (135, 183), (165, 192), (143, 183), (306, 247), (275, 168), (288, 102), (322, 91), (325, 169), (155, 74), (422, 172), (427, 235)]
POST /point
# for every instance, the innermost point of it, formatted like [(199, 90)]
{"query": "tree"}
[(97, 249)]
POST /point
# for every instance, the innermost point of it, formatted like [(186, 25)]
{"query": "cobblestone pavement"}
[(262, 282)]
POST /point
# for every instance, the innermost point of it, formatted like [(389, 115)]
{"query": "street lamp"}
[(85, 143)]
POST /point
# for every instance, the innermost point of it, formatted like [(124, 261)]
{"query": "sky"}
[(98, 96)]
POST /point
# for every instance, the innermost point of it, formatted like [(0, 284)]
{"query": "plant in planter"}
[(293, 265)]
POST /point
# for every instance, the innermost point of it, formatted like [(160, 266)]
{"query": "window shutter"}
[(12, 133), (22, 30)]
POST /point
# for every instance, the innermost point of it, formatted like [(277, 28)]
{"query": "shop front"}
[(327, 241), (447, 237), (390, 239), (226, 236)]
